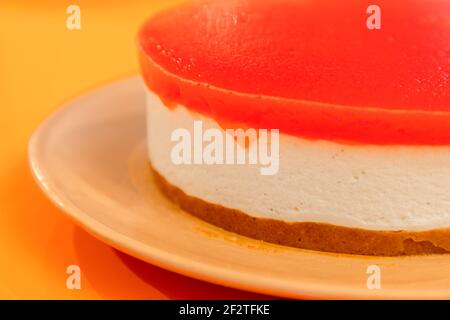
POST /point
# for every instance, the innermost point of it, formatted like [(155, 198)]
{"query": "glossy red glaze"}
[(309, 68)]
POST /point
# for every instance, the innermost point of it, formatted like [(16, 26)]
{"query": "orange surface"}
[(42, 64)]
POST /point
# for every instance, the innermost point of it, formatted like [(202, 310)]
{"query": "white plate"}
[(90, 159)]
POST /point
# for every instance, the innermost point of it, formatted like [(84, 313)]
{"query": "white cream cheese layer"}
[(363, 186)]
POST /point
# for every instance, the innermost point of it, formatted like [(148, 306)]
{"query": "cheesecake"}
[(345, 129)]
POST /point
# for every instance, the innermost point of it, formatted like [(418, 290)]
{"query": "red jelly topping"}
[(310, 68)]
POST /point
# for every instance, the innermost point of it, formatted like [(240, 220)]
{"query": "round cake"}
[(343, 129)]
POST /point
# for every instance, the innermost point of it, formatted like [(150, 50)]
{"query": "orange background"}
[(43, 64)]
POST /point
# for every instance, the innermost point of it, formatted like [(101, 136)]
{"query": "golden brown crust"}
[(311, 235)]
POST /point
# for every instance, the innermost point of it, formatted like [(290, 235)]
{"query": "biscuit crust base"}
[(310, 235)]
